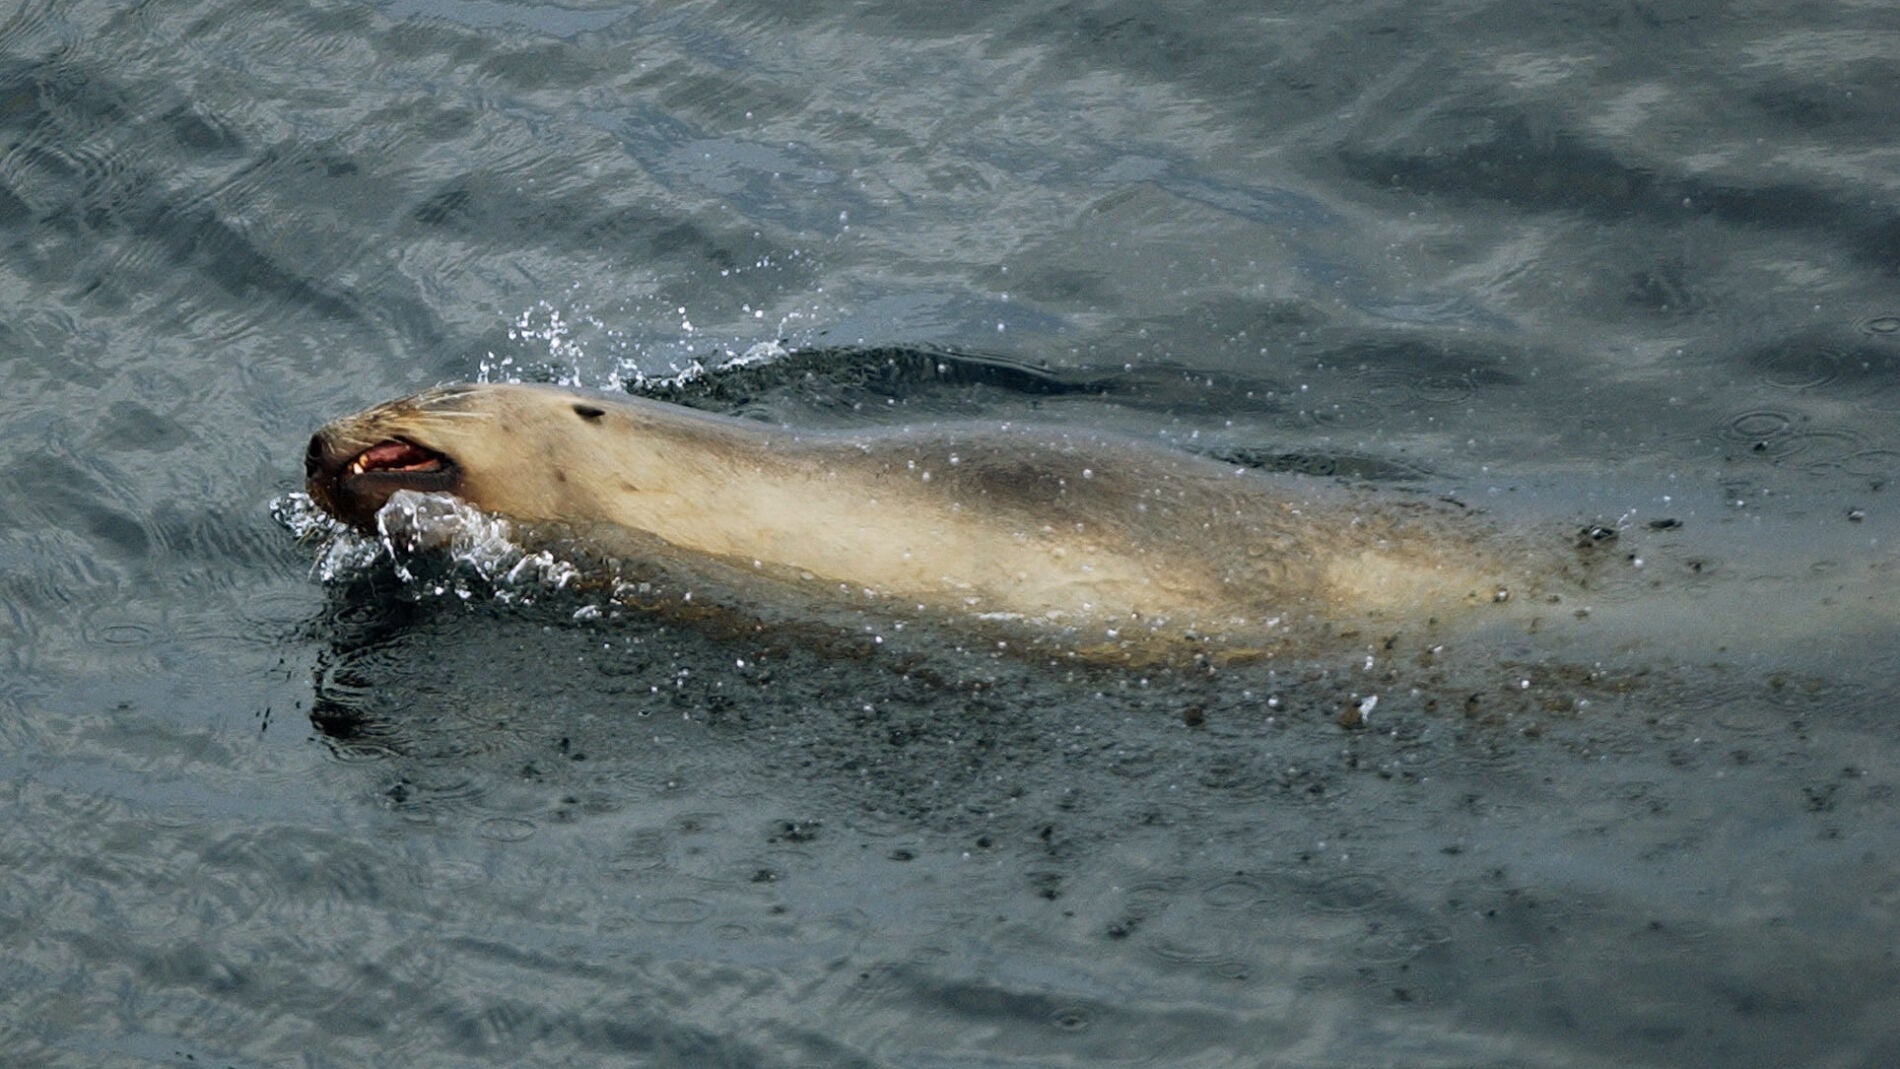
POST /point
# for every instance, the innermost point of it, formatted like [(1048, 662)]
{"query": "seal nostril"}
[(313, 457)]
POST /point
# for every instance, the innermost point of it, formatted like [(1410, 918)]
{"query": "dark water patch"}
[(13, 210), (1845, 106), (492, 209), (846, 379), (1668, 286), (778, 183), (1114, 167), (1427, 372), (1794, 436), (131, 426), (714, 97), (539, 66), (515, 19), (1516, 164), (197, 237), (202, 135), (1279, 207), (84, 138), (1536, 165), (191, 534), (1271, 85), (74, 496), (1866, 361)]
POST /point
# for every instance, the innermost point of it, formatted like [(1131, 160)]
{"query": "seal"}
[(1109, 546)]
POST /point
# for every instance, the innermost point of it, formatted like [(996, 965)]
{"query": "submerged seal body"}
[(1102, 543)]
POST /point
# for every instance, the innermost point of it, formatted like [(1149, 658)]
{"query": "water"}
[(1593, 265)]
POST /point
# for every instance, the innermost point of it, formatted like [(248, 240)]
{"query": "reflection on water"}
[(1626, 270)]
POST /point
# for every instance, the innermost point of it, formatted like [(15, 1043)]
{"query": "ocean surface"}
[(1626, 273)]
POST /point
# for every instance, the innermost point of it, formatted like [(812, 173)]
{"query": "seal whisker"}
[(439, 395), (438, 419)]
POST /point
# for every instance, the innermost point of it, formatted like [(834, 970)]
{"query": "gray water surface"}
[(1573, 265)]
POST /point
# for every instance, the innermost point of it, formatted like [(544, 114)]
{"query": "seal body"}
[(1100, 542)]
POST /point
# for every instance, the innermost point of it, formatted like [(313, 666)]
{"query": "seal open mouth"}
[(397, 456), (352, 487)]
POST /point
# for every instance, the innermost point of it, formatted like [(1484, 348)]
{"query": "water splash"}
[(564, 341), (436, 544)]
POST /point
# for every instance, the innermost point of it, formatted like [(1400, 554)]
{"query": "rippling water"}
[(1622, 266)]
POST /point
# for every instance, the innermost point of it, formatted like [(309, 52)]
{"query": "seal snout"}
[(352, 483)]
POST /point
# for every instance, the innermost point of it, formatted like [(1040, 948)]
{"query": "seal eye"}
[(589, 412)]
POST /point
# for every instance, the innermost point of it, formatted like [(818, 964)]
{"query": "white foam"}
[(437, 544)]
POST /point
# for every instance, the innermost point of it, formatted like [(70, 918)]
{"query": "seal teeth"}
[(356, 466)]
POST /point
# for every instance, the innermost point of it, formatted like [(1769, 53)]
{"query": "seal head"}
[(351, 471)]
